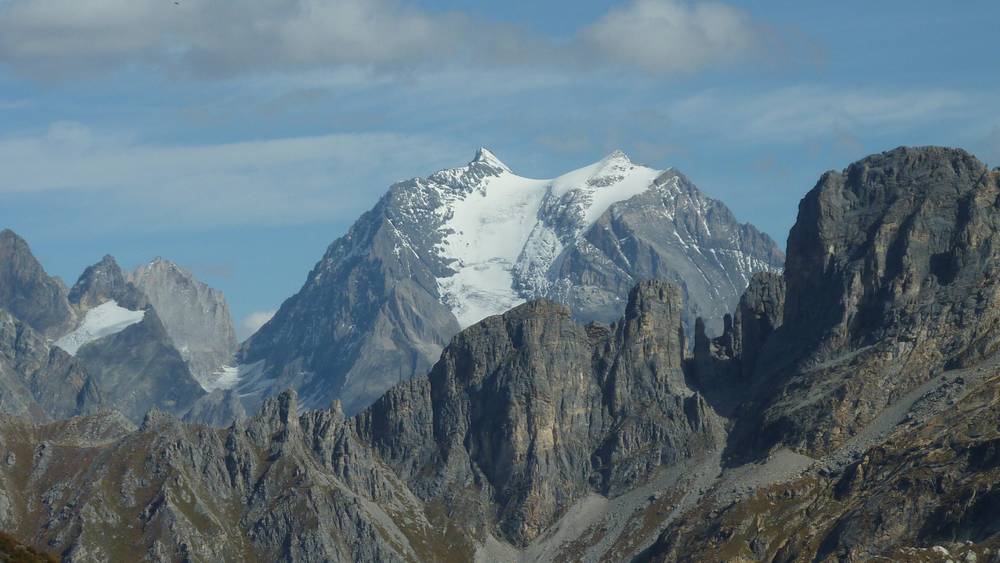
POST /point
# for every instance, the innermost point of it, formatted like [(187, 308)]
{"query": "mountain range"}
[(103, 343), (846, 407)]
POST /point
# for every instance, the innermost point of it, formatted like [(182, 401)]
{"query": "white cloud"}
[(220, 36), (807, 111), (672, 36), (267, 182), (59, 37), (252, 322)]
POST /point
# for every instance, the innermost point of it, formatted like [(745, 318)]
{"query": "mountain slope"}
[(40, 381), (28, 292), (124, 346), (446, 251), (195, 315), (892, 269)]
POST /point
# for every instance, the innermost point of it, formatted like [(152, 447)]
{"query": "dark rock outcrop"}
[(524, 415), (890, 278), (105, 282), (527, 412), (28, 293)]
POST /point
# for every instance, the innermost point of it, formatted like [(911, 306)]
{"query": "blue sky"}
[(239, 139)]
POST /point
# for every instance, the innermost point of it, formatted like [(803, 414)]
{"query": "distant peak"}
[(486, 156), (8, 235), (617, 156)]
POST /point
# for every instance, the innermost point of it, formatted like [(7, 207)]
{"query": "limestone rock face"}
[(527, 412), (524, 415), (891, 277), (760, 313), (28, 293), (195, 316)]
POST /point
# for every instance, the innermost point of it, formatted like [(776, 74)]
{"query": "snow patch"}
[(104, 320), (223, 378), (228, 377)]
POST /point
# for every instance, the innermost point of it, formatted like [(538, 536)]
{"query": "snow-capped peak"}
[(617, 156), (486, 156), (504, 233)]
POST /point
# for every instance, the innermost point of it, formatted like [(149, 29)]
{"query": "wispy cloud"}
[(805, 111), (279, 181), (59, 37), (252, 322), (673, 36)]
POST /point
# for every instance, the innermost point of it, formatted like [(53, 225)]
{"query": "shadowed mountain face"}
[(105, 282), (39, 381), (443, 252), (114, 352), (28, 292)]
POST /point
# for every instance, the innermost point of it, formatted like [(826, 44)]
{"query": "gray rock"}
[(40, 381), (890, 278), (28, 293), (195, 315), (220, 408), (105, 282)]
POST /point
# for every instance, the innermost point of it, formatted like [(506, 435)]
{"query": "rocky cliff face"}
[(39, 381), (927, 493), (669, 232), (28, 293), (529, 411), (443, 252), (195, 315), (890, 279)]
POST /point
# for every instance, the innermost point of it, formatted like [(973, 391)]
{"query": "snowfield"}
[(104, 320), (505, 229)]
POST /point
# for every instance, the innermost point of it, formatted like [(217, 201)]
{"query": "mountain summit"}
[(440, 253)]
